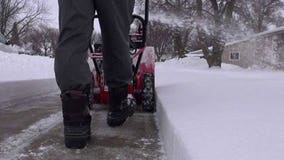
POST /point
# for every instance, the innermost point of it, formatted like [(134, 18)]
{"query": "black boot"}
[(76, 118), (120, 106)]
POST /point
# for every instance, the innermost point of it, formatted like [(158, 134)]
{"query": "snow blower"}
[(142, 87)]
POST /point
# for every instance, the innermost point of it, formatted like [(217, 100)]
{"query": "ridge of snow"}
[(219, 114), (15, 67)]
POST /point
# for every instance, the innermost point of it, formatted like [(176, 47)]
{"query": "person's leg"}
[(72, 72), (115, 17), (76, 27)]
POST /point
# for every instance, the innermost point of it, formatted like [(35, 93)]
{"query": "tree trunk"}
[(199, 8), (229, 11), (213, 56), (15, 39), (215, 59)]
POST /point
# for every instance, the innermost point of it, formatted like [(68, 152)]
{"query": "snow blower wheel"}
[(148, 101)]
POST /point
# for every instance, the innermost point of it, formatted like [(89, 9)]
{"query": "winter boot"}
[(76, 118), (120, 106)]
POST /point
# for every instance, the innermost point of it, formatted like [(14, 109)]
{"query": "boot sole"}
[(76, 137), (118, 121), (74, 142)]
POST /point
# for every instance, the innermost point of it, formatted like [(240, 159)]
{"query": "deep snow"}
[(220, 114), (15, 67)]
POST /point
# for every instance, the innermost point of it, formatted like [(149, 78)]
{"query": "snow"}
[(8, 49), (15, 67), (53, 12), (219, 114), (167, 19), (203, 114)]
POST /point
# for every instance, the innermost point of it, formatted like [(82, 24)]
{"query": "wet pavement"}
[(31, 129)]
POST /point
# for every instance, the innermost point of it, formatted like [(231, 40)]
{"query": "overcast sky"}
[(53, 5)]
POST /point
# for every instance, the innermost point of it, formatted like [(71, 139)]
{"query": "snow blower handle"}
[(145, 19), (138, 38), (146, 13)]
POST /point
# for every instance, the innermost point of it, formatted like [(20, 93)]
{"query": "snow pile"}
[(14, 67), (194, 62), (9, 49), (219, 114)]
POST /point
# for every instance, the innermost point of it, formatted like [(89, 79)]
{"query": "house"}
[(265, 50)]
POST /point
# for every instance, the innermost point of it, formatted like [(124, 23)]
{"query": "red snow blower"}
[(142, 87)]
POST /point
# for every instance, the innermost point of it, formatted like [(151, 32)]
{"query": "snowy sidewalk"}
[(228, 114)]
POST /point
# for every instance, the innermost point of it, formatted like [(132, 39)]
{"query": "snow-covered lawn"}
[(15, 67), (213, 114)]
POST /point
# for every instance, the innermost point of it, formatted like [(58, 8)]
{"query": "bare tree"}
[(41, 40), (160, 36), (198, 8), (32, 41), (217, 14), (53, 36), (20, 13), (216, 22), (15, 39), (181, 40), (175, 40), (178, 7), (257, 14)]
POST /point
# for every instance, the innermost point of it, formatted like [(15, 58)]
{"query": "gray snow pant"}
[(76, 26)]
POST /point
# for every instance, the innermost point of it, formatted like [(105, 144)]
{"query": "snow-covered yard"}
[(15, 67), (213, 114)]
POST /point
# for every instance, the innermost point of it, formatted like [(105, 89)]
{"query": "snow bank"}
[(219, 114), (14, 67), (8, 48)]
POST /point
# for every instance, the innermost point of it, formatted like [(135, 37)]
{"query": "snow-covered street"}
[(213, 114)]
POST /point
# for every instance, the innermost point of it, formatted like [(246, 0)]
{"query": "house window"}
[(235, 56)]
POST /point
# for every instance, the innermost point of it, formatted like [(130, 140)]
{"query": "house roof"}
[(266, 33)]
